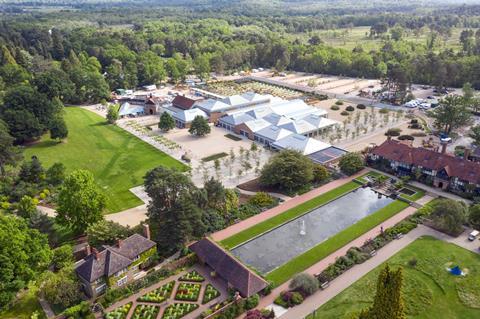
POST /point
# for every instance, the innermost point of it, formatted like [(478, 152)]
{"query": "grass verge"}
[(233, 137), (317, 253), (214, 157)]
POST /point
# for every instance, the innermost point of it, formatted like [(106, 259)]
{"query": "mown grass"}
[(419, 193), (429, 290), (317, 253), (117, 159), (288, 215), (214, 157)]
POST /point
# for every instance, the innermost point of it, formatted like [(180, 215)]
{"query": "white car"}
[(411, 104), (425, 106)]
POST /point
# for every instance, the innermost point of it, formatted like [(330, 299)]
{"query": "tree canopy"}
[(199, 126), (351, 163)]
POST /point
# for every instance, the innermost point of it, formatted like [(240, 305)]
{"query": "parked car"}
[(425, 106), (411, 104), (473, 235)]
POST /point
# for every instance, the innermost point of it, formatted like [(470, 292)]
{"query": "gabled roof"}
[(276, 119), (235, 100), (130, 109), (212, 105), (273, 133), (257, 125), (256, 98), (183, 102), (187, 116), (113, 258), (303, 144), (299, 127), (319, 121), (236, 118), (454, 166), (228, 267), (260, 112)]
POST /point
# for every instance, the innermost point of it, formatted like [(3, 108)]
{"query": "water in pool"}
[(283, 243)]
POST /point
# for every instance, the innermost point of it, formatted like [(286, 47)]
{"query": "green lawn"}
[(429, 290), (290, 214), (317, 253), (25, 306), (414, 197), (117, 159)]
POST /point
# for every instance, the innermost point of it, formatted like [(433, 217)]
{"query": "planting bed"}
[(210, 294), (178, 310), (120, 312), (188, 291), (145, 312), (158, 295), (192, 276)]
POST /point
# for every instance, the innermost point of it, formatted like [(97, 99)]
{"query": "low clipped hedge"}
[(361, 106), (344, 113), (350, 108), (334, 107), (406, 138)]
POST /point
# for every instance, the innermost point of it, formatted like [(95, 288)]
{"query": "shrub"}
[(334, 108), (361, 106), (268, 290), (80, 311), (419, 134), (289, 299), (393, 132), (320, 173), (406, 138), (261, 199), (384, 111), (252, 302), (339, 102), (413, 121), (412, 262), (351, 163), (350, 108), (254, 314), (304, 283), (357, 255), (344, 113)]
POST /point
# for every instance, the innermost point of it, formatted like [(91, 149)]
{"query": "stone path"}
[(321, 265), (358, 271), (218, 283), (295, 201)]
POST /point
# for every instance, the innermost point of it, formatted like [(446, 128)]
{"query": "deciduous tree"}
[(199, 126)]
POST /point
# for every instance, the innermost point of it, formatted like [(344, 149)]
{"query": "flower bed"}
[(188, 291), (158, 295), (210, 294), (192, 276), (178, 310), (145, 312), (120, 312)]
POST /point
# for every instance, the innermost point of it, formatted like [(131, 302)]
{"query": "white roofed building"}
[(184, 118), (270, 134), (303, 144)]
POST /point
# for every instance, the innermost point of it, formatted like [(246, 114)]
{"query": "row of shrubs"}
[(234, 309)]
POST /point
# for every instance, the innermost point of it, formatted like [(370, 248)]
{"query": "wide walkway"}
[(321, 265), (295, 201), (358, 271)]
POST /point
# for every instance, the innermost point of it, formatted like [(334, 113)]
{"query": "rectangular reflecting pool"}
[(276, 247)]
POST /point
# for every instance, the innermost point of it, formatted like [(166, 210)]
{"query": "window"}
[(135, 268), (122, 281), (100, 288), (136, 258), (121, 272)]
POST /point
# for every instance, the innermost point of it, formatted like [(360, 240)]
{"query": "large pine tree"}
[(388, 302)]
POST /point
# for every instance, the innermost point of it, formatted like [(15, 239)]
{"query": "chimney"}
[(95, 253), (466, 153), (444, 148), (119, 243), (88, 250), (389, 138), (146, 231)]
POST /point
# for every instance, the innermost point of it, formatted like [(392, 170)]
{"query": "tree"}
[(397, 33), (475, 135), (202, 67), (112, 114), (32, 171), (304, 283), (288, 170), (58, 128), (80, 202), (351, 163), (215, 193), (451, 114), (388, 301), (468, 91), (166, 122), (24, 253), (9, 154), (106, 232), (55, 174), (320, 173), (62, 257), (55, 83), (315, 40), (61, 288), (27, 206), (474, 216), (449, 215), (199, 126)]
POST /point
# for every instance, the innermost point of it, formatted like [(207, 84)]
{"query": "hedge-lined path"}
[(346, 279), (218, 283), (322, 264), (288, 204)]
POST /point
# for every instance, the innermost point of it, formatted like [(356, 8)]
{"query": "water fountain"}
[(303, 231)]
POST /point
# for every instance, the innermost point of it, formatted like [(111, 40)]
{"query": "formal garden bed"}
[(158, 295), (192, 276), (188, 291), (210, 294), (146, 312), (120, 312), (179, 310)]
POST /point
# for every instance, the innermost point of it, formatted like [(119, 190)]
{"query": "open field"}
[(429, 290), (117, 159)]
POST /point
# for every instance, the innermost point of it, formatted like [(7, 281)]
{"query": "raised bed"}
[(146, 312), (158, 295), (187, 291), (120, 312), (179, 310), (210, 294), (193, 276)]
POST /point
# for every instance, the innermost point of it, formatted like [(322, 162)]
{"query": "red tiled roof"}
[(228, 267), (183, 102), (455, 167)]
